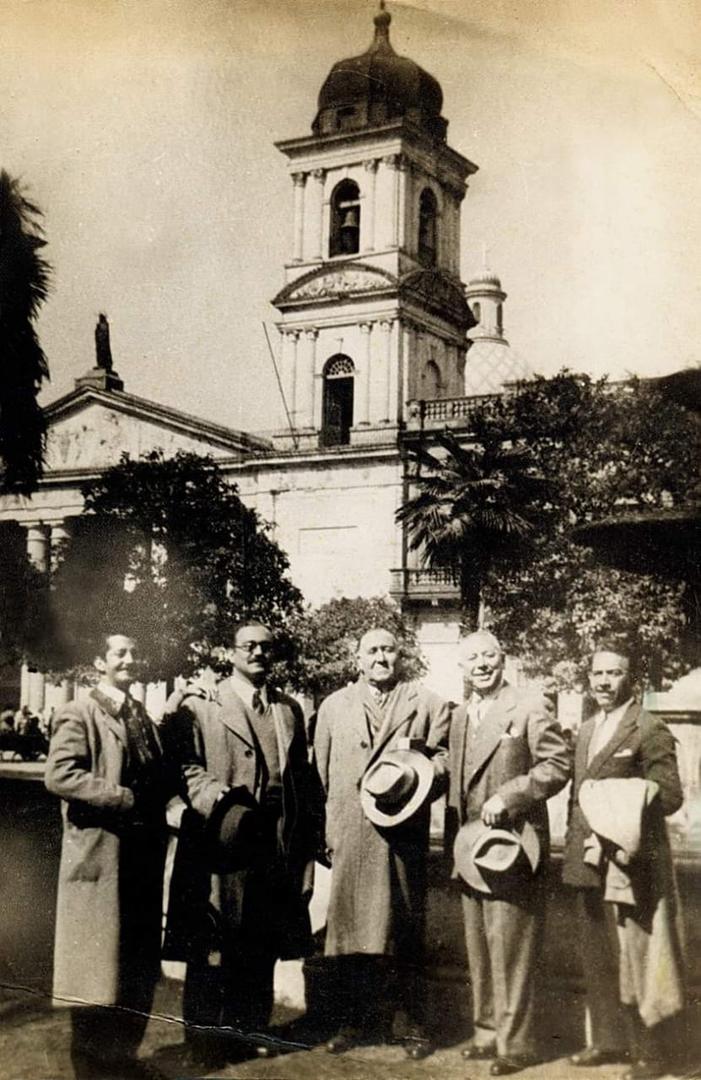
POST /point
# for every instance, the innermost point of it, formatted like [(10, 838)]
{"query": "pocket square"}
[(508, 735), (624, 753)]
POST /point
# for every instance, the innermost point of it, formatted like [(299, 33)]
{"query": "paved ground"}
[(34, 1046)]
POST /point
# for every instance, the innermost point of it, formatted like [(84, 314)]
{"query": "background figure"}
[(105, 762), (378, 882), (630, 950), (243, 872), (507, 757)]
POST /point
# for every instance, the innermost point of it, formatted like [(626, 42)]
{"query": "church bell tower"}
[(373, 312)]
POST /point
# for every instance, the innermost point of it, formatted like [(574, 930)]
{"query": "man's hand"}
[(494, 811)]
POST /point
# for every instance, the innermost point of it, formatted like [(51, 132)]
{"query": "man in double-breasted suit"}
[(243, 758), (507, 757), (621, 741), (105, 762), (378, 875)]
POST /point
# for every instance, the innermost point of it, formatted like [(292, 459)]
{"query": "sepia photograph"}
[(350, 507)]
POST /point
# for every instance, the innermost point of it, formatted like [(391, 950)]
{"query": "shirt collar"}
[(112, 693), (246, 690), (614, 715)]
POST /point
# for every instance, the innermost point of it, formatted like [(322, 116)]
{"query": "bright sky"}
[(145, 129)]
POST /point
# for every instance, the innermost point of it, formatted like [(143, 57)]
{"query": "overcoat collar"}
[(233, 713), (626, 725), (399, 709), (494, 724), (112, 714)]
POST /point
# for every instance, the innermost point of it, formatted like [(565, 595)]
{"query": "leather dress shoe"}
[(417, 1044), (344, 1039), (478, 1052), (592, 1056), (504, 1066), (645, 1069)]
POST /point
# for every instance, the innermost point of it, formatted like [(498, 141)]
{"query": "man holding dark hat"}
[(507, 757), (251, 831), (381, 751)]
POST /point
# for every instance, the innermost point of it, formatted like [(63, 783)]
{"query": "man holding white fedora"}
[(381, 752), (507, 757)]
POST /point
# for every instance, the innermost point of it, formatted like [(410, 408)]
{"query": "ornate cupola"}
[(373, 312), (379, 87)]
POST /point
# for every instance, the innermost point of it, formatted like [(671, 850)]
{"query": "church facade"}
[(376, 334)]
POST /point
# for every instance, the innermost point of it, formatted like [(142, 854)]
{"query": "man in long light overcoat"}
[(629, 950), (507, 757), (105, 762), (238, 904), (378, 875)]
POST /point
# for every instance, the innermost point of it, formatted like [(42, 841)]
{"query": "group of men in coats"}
[(261, 806)]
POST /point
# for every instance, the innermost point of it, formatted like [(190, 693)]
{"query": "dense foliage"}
[(24, 286), (167, 550), (600, 450)]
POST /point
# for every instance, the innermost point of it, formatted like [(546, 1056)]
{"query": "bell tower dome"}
[(373, 312)]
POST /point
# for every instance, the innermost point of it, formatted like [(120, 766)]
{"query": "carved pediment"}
[(89, 430), (340, 282), (440, 294)]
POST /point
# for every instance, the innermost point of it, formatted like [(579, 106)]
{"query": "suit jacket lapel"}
[(625, 726), (458, 735), (233, 713), (399, 709), (491, 729), (581, 752), (284, 720)]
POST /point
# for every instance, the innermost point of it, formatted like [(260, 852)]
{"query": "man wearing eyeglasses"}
[(246, 779)]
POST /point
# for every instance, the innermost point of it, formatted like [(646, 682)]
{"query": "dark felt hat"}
[(493, 860), (234, 831)]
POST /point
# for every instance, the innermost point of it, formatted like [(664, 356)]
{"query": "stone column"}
[(291, 390), (401, 194), (316, 229), (363, 379), (367, 223), (60, 535), (299, 180), (386, 347), (387, 200), (307, 376), (33, 682)]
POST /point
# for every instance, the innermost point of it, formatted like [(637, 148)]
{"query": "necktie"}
[(257, 703)]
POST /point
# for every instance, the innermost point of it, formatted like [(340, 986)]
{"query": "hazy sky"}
[(145, 129)]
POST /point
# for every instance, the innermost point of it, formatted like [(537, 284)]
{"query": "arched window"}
[(500, 318), (345, 219), (431, 383), (428, 228), (337, 413), (477, 310)]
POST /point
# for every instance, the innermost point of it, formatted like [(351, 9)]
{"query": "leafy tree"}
[(595, 450), (325, 641), (24, 286), (605, 450), (166, 549), (474, 507), (22, 600)]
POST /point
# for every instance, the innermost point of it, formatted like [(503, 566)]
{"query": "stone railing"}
[(439, 412), (439, 583)]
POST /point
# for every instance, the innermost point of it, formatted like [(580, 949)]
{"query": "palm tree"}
[(474, 505), (24, 285)]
